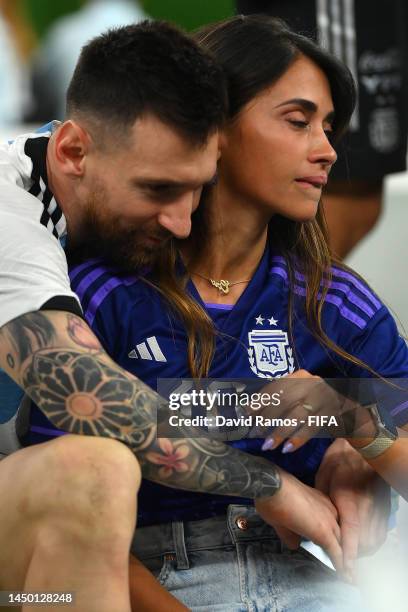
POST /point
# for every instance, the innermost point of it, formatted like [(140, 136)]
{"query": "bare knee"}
[(108, 461), (72, 493), (86, 485)]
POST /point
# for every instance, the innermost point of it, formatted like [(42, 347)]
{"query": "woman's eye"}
[(299, 124)]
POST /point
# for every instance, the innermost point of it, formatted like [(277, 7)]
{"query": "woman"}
[(253, 270)]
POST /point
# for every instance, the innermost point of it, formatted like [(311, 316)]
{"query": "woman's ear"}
[(222, 142)]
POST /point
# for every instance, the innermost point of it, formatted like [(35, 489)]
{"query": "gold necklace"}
[(222, 285)]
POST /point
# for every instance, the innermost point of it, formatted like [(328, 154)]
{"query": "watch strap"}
[(386, 433), (376, 448)]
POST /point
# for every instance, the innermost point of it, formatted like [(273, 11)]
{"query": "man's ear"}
[(72, 144)]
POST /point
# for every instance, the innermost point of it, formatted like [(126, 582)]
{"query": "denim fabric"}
[(215, 565)]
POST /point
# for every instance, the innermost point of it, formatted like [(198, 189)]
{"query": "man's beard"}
[(127, 248)]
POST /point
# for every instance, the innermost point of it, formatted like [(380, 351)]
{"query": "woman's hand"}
[(312, 405), (361, 497), (297, 511)]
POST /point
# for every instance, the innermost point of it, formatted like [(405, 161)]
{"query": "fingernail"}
[(267, 445), (288, 448), (348, 575)]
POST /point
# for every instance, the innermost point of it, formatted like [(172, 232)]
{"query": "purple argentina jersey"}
[(139, 332)]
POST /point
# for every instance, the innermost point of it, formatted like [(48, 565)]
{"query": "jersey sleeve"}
[(106, 299), (33, 267), (381, 347)]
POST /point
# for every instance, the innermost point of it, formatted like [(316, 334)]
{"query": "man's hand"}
[(297, 511), (362, 500)]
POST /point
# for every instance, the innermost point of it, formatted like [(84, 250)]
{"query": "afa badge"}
[(270, 355)]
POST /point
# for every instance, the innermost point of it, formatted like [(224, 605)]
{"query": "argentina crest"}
[(270, 355)]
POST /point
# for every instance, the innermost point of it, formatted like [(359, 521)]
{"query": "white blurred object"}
[(57, 57), (381, 258), (318, 552), (382, 577)]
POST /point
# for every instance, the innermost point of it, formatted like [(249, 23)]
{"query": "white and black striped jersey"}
[(33, 266)]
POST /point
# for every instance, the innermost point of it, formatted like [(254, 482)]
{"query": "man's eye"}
[(159, 188), (162, 192)]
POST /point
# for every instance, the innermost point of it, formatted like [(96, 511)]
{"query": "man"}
[(120, 176), (373, 45)]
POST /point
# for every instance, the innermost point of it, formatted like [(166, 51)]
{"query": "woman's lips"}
[(316, 182)]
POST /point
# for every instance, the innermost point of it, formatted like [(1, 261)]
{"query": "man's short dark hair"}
[(148, 68)]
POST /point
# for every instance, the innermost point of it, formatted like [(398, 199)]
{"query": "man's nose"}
[(176, 217)]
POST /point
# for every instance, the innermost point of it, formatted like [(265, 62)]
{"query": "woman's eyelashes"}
[(298, 120), (304, 124)]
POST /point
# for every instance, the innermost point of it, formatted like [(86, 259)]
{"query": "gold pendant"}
[(221, 285)]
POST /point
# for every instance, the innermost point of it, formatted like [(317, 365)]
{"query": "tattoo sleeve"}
[(60, 364)]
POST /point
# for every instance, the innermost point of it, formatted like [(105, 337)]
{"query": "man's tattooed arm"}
[(58, 361)]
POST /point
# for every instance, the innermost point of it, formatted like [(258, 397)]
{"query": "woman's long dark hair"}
[(256, 50)]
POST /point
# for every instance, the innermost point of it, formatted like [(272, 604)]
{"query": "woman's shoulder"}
[(347, 296), (352, 297)]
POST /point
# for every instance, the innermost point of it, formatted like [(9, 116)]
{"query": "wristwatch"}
[(386, 433)]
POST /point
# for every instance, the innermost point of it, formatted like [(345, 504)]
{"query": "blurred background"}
[(39, 43)]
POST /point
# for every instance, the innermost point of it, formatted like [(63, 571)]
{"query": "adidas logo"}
[(149, 349)]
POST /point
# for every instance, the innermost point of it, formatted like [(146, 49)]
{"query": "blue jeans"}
[(237, 563)]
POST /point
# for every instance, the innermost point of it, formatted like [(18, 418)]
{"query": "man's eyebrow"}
[(307, 105), (157, 183), (146, 182)]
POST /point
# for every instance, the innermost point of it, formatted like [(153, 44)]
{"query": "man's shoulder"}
[(17, 157), (25, 196)]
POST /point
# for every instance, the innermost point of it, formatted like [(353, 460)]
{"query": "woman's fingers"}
[(296, 433)]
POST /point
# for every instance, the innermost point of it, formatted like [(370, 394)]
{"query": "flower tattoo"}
[(171, 459)]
